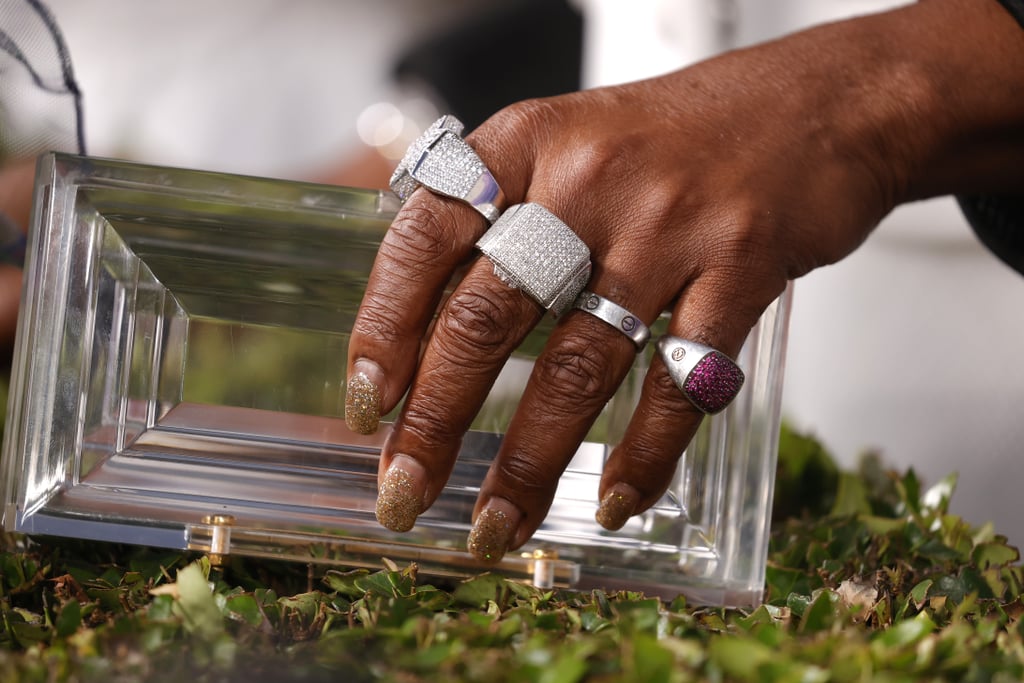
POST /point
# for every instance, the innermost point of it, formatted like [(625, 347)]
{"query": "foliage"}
[(887, 586)]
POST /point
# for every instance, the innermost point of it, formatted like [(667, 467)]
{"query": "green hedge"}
[(869, 579)]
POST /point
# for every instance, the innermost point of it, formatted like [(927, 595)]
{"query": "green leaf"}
[(919, 592), (245, 608), (820, 614), (783, 581), (764, 614), (651, 662), (197, 604), (479, 590), (851, 497), (991, 554), (568, 668), (806, 476), (975, 583), (798, 603), (909, 488), (161, 608), (345, 582), (639, 615), (384, 583), (69, 619), (906, 632), (739, 658), (431, 599)]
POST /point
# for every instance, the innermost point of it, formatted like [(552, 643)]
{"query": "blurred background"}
[(911, 346)]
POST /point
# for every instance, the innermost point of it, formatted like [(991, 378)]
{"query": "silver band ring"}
[(444, 163), (615, 315), (533, 250), (708, 378)]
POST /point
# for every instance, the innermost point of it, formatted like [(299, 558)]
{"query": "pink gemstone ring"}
[(707, 377)]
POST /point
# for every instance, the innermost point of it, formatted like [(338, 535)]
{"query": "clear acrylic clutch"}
[(178, 381)]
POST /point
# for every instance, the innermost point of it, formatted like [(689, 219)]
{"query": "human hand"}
[(701, 192)]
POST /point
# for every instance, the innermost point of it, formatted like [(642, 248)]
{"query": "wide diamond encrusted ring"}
[(707, 377), (533, 250), (444, 163)]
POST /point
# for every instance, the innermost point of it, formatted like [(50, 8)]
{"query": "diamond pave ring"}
[(534, 251), (708, 378), (615, 315), (444, 163)]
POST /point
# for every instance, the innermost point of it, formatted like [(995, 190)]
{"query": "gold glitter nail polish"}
[(490, 536), (399, 500), (362, 404), (617, 507)]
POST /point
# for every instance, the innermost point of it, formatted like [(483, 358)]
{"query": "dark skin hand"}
[(702, 192)]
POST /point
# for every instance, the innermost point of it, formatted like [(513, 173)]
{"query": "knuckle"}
[(651, 457), (514, 139), (651, 472), (527, 117), (597, 161), (672, 404), (477, 323), (378, 319), (421, 235), (527, 476), (428, 424), (581, 373)]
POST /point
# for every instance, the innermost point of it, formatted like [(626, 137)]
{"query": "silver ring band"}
[(707, 377), (615, 315), (533, 250), (444, 163)]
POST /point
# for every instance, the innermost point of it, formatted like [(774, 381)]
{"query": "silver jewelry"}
[(444, 163), (615, 315), (708, 378), (534, 251)]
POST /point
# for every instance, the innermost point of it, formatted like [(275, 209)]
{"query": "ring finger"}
[(582, 365)]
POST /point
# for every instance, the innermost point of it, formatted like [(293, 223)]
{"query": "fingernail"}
[(494, 528), (617, 506), (362, 399), (400, 497)]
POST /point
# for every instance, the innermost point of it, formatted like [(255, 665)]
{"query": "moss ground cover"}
[(869, 579)]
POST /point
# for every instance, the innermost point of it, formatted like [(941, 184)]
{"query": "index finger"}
[(429, 239)]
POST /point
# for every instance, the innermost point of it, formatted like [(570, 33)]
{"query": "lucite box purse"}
[(178, 381)]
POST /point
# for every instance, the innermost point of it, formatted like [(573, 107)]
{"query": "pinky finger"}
[(692, 375)]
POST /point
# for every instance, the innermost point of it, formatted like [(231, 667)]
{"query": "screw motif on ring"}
[(615, 315), (708, 378)]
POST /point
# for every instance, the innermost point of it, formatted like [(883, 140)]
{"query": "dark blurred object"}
[(40, 104), (1015, 8), (999, 223), (500, 55), (12, 241)]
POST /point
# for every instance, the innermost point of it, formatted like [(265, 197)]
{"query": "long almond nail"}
[(617, 506), (362, 403), (493, 530), (400, 497)]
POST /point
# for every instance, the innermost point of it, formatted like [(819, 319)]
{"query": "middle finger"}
[(477, 329)]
